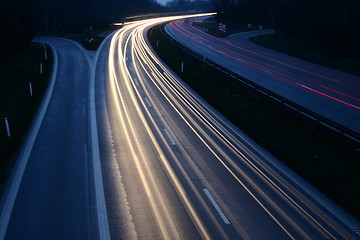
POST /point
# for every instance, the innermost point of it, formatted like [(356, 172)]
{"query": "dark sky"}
[(20, 20)]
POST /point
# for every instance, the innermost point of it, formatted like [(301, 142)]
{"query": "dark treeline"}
[(193, 5), (335, 23), (20, 20)]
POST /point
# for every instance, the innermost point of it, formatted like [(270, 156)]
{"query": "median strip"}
[(323, 157)]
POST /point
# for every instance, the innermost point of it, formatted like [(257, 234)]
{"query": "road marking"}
[(169, 137), (25, 154), (148, 102), (136, 82), (102, 220), (216, 206)]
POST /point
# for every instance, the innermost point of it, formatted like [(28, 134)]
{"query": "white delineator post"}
[(182, 66), (41, 69), (45, 52), (7, 127), (30, 88)]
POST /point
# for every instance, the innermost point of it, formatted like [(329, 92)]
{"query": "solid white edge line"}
[(216, 206), (25, 153), (169, 137), (103, 224), (136, 82)]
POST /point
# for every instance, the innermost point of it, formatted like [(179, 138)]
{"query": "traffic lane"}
[(130, 201), (304, 210), (333, 75), (235, 45), (341, 86), (335, 86), (195, 158), (283, 66), (52, 201), (163, 140), (197, 161), (200, 163), (289, 87), (327, 81)]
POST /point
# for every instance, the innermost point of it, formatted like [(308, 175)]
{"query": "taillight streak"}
[(280, 73)]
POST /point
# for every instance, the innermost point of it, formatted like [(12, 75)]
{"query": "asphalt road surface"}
[(332, 94), (178, 169), (125, 150), (48, 197)]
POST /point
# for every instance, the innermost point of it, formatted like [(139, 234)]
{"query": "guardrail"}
[(290, 104)]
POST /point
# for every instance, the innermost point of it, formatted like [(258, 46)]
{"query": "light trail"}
[(137, 79), (303, 77)]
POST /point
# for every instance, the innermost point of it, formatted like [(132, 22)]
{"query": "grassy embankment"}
[(324, 158), (16, 104), (299, 47), (84, 38)]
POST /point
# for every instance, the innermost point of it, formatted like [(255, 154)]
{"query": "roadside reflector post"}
[(7, 127), (30, 88), (45, 52), (182, 66), (41, 69)]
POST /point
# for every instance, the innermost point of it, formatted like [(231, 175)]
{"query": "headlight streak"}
[(126, 78), (225, 139), (181, 111), (177, 184), (162, 215), (228, 136), (331, 222), (183, 101), (174, 179), (228, 159), (301, 209), (214, 125)]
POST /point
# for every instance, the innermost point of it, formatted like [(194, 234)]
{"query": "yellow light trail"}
[(203, 123)]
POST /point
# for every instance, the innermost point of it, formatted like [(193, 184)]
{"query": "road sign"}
[(222, 27)]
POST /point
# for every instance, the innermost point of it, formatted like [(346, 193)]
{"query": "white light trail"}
[(211, 130)]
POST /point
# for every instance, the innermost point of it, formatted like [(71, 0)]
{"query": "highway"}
[(332, 94), (183, 170), (123, 149), (48, 195)]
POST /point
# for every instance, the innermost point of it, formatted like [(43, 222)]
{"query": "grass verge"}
[(88, 41), (326, 159), (302, 48), (16, 104)]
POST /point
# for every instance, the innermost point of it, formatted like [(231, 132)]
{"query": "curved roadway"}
[(125, 150), (48, 194), (332, 94), (178, 169)]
